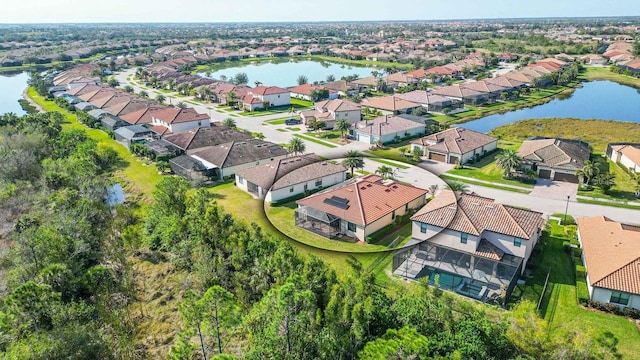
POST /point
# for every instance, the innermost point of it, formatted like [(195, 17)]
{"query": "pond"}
[(11, 87), (285, 74), (595, 100)]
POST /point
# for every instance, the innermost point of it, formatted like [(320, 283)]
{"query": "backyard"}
[(559, 305)]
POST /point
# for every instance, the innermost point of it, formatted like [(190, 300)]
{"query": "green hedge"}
[(580, 271), (582, 291), (399, 221)]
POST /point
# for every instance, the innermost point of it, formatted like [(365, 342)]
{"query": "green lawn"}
[(559, 305), (245, 208), (387, 162), (314, 140), (328, 135), (624, 191), (282, 217), (394, 152), (480, 183), (487, 170), (301, 103), (139, 177), (602, 73)]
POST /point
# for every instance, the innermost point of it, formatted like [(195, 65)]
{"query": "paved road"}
[(413, 175)]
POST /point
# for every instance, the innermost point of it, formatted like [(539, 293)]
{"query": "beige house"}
[(455, 145), (611, 255), (476, 247), (358, 208), (627, 155), (330, 111)]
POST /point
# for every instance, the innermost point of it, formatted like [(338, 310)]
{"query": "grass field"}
[(314, 140), (560, 307), (139, 177), (596, 132), (387, 162), (603, 73)]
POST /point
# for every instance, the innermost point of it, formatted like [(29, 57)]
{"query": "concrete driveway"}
[(558, 190), (435, 167)]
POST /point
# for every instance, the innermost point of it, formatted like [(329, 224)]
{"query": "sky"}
[(88, 11)]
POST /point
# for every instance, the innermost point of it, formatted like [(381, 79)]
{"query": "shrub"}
[(582, 292), (580, 271), (577, 252), (595, 304), (632, 313), (614, 309)]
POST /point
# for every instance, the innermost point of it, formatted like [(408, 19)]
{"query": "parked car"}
[(292, 121)]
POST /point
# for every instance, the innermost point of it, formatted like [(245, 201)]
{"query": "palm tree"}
[(636, 187), (143, 94), (384, 171), (302, 79), (331, 78), (229, 122), (182, 105), (204, 92), (605, 181), (171, 83), (296, 146), (342, 125), (129, 89), (353, 160), (588, 172), (457, 186), (161, 99), (508, 160), (433, 189)]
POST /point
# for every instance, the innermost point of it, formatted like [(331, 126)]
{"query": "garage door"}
[(453, 159), (544, 174), (437, 157), (572, 178)]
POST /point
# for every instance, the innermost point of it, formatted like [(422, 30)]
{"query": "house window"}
[(291, 189), (318, 182), (393, 215), (517, 242), (619, 297), (240, 180), (423, 228), (351, 226), (464, 237), (306, 187), (406, 207)]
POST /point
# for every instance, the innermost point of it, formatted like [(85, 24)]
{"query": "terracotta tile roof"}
[(389, 103), (557, 153), (250, 99), (423, 97), (455, 140), (142, 116), (305, 89), (171, 115), (488, 250), (160, 130), (369, 199), (338, 105), (128, 107), (202, 137), (475, 214), (630, 151), (386, 124), (484, 86), (367, 81), (611, 253), (455, 90), (268, 90)]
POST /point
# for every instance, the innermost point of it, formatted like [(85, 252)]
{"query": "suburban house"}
[(455, 145), (304, 91), (473, 245), (386, 128), (197, 138), (462, 93), (390, 105), (176, 120), (128, 135), (342, 87), (627, 155), (358, 208), (555, 159), (331, 110), (611, 255), (190, 168), (431, 102), (143, 116), (257, 97), (228, 158), (400, 79), (285, 178)]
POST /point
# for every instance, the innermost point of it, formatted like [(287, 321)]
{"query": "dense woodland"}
[(66, 283)]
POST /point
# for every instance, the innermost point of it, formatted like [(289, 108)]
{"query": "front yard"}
[(559, 305)]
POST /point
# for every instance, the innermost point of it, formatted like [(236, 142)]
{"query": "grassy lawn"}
[(245, 208), (592, 73), (394, 152), (301, 103), (387, 162), (622, 192), (404, 232), (559, 305), (328, 135), (276, 121), (598, 133), (314, 140), (139, 177), (480, 183), (282, 218), (293, 128)]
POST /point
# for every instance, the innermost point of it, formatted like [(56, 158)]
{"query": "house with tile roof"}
[(475, 246), (386, 129), (611, 255), (175, 120), (627, 155), (258, 96), (431, 102), (390, 105), (194, 139), (304, 91), (455, 145), (284, 178), (358, 207), (555, 158), (224, 160), (466, 94), (331, 110)]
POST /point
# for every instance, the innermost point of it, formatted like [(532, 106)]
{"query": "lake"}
[(11, 87), (285, 74), (594, 100)]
